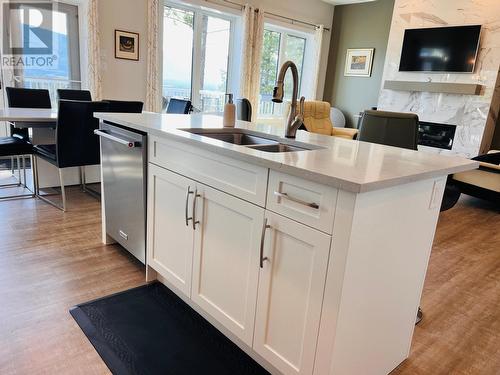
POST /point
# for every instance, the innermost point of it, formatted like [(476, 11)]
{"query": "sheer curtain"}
[(94, 51), (153, 92), (253, 32), (318, 45)]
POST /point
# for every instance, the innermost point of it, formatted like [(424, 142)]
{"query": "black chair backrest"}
[(123, 106), (180, 106), (26, 98), (76, 143), (243, 109), (390, 128), (68, 94)]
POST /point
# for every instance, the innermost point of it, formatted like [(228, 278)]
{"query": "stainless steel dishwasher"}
[(123, 164)]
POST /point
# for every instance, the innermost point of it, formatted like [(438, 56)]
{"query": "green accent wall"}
[(364, 25)]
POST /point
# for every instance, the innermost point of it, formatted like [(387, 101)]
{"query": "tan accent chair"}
[(317, 120)]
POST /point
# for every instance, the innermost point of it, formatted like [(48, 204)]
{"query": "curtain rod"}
[(292, 20)]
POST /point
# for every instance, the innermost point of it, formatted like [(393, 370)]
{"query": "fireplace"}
[(436, 135)]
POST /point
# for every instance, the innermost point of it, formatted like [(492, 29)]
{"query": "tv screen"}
[(440, 49)]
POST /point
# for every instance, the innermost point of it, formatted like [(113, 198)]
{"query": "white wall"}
[(127, 79), (123, 79)]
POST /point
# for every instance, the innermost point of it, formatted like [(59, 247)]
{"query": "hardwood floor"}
[(50, 261)]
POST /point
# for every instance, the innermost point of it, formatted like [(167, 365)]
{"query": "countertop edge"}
[(346, 185)]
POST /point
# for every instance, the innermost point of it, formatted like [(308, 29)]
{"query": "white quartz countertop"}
[(349, 165)]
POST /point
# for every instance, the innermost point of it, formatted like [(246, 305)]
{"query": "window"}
[(197, 46), (279, 45), (59, 23)]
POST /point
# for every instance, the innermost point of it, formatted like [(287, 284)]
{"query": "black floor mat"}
[(149, 330)]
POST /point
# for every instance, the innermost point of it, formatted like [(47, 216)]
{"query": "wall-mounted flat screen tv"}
[(440, 49)]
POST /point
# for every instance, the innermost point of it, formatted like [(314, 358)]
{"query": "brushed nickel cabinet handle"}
[(189, 192), (196, 196), (262, 241), (296, 200)]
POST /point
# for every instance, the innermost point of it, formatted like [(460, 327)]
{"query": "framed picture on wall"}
[(358, 62), (126, 45)]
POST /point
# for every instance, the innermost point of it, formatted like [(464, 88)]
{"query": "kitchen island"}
[(309, 254)]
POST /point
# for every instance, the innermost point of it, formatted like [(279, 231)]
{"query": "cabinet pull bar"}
[(189, 192), (196, 196), (262, 240), (296, 200)]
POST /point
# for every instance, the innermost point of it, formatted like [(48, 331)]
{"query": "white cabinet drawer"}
[(301, 200), (243, 180)]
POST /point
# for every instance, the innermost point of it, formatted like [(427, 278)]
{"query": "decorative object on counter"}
[(358, 62), (229, 117), (158, 333), (126, 45)]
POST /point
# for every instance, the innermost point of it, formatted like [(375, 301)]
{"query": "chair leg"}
[(19, 170), (63, 190), (24, 170), (35, 172), (44, 197), (20, 164), (82, 178), (86, 189)]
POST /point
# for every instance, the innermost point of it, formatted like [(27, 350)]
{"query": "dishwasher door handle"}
[(129, 144)]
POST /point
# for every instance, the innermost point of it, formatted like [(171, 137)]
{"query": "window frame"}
[(76, 59), (285, 33), (196, 66)]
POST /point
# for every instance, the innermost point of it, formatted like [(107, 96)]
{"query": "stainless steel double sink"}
[(253, 139)]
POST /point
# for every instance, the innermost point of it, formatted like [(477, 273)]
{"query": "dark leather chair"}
[(76, 145), (179, 106), (16, 146), (389, 128), (124, 106), (68, 94), (23, 98), (26, 98), (243, 109)]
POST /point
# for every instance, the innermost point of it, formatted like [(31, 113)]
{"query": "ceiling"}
[(343, 2)]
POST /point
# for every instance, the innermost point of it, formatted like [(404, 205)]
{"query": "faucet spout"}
[(294, 117)]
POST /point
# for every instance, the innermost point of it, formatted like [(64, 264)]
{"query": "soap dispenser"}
[(229, 112)]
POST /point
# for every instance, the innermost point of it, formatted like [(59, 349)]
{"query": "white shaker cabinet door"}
[(226, 259), (170, 234), (291, 286)]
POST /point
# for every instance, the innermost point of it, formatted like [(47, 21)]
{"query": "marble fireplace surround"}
[(470, 113)]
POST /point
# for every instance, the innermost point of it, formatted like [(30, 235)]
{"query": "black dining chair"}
[(76, 145), (124, 106), (25, 98), (19, 147), (179, 106), (389, 128), (243, 109), (69, 94)]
